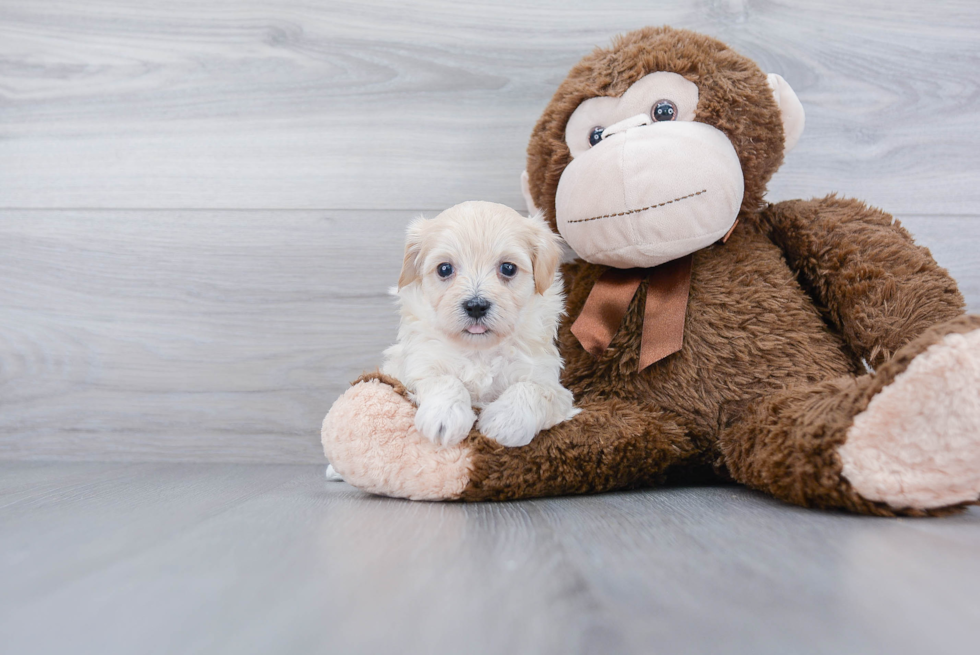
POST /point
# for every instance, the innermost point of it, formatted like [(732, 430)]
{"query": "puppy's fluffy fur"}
[(503, 362)]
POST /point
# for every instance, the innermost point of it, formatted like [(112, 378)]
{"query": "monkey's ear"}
[(526, 190), (791, 109), (545, 254), (413, 250)]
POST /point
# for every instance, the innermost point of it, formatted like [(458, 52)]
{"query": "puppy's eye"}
[(508, 270), (444, 269), (595, 136)]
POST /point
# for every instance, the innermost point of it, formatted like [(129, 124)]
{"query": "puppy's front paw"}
[(509, 422), (444, 422)]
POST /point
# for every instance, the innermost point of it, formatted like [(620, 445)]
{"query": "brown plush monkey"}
[(708, 332)]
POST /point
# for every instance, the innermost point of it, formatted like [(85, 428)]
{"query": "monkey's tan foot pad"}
[(370, 439), (918, 442)]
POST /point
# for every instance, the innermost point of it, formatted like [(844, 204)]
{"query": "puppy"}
[(480, 300)]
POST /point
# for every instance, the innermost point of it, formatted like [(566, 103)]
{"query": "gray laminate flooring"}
[(225, 558)]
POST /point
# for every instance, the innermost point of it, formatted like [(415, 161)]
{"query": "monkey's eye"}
[(663, 110), (595, 136), (444, 270), (508, 270)]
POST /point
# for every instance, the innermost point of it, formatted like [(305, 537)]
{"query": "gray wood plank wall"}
[(202, 204)]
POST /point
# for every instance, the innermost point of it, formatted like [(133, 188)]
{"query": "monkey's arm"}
[(610, 444), (867, 275), (370, 439)]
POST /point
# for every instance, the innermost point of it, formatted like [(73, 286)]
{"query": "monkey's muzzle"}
[(650, 194)]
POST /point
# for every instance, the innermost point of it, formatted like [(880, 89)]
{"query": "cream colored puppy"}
[(480, 300)]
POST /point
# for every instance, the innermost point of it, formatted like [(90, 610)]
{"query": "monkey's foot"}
[(918, 442)]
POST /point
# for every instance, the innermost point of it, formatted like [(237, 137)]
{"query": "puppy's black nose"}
[(476, 307)]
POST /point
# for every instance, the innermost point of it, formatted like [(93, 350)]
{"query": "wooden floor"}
[(202, 205), (225, 558)]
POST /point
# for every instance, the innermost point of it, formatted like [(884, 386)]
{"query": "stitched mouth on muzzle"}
[(641, 209)]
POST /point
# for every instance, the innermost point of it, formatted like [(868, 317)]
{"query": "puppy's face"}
[(475, 267)]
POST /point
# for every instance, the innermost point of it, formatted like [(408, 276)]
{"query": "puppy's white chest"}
[(486, 376)]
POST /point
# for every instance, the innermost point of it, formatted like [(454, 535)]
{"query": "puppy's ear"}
[(545, 253), (413, 251)]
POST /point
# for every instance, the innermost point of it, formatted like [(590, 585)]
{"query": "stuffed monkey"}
[(808, 349)]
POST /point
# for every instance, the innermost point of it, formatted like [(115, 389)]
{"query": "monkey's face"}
[(647, 183), (661, 168)]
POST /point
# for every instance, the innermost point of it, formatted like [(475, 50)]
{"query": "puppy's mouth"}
[(477, 328)]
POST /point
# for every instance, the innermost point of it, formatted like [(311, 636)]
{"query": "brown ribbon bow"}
[(663, 318), (668, 286)]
